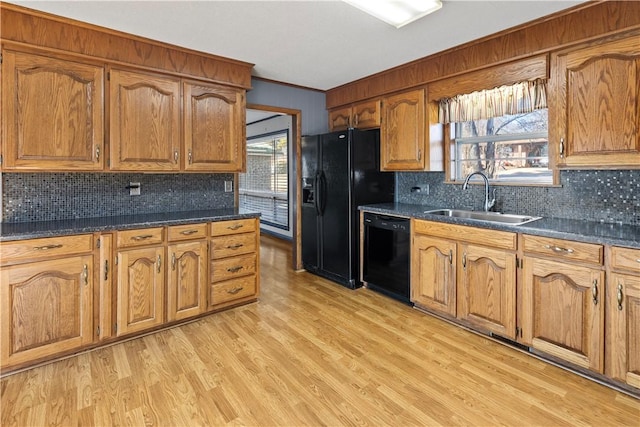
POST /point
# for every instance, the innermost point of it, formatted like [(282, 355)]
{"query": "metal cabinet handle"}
[(175, 156), (235, 290), (620, 296), (638, 260), (97, 153), (142, 237), (562, 148), (235, 269), (559, 250), (188, 232), (47, 247), (85, 274), (173, 261), (236, 246), (419, 154), (159, 263), (464, 260), (451, 256), (190, 156), (235, 227), (594, 291), (106, 270)]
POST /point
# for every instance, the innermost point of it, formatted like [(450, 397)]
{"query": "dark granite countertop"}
[(34, 230), (570, 229)]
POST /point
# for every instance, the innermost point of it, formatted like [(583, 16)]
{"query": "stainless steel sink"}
[(485, 216)]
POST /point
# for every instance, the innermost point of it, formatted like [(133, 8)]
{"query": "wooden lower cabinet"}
[(433, 274), (140, 288), (235, 268), (487, 289), (563, 311), (187, 280), (46, 308)]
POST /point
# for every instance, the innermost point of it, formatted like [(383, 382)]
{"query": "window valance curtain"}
[(519, 98)]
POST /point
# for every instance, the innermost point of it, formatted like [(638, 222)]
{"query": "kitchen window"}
[(502, 132), (264, 187)]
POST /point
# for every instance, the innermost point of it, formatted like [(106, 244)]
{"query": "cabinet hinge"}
[(518, 332), (98, 330), (0, 58), (116, 260), (115, 328), (108, 75), (0, 159)]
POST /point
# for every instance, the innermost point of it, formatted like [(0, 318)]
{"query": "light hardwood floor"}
[(309, 353)]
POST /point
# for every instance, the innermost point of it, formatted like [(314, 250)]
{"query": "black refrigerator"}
[(340, 171)]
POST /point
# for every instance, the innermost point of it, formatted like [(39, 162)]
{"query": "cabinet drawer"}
[(186, 232), (44, 248), (480, 236), (228, 268), (230, 290), (140, 237), (564, 249), (626, 258), (223, 228), (236, 244)]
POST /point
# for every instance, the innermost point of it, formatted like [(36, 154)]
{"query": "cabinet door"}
[(214, 125), (623, 328), (563, 311), (340, 119), (366, 115), (187, 287), (46, 308), (487, 289), (140, 289), (598, 105), (433, 274), (53, 113), (144, 122), (403, 132)]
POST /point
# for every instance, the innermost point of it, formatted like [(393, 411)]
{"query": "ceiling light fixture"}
[(397, 13)]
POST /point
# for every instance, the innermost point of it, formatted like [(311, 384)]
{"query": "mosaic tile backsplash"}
[(603, 196), (51, 196)]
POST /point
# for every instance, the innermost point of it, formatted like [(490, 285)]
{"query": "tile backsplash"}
[(603, 196), (50, 196)]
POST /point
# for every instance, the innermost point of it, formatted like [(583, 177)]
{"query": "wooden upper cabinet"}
[(595, 114), (214, 128), (403, 132), (340, 119), (363, 115), (52, 110), (144, 122)]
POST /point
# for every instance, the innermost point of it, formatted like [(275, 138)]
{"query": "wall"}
[(311, 103), (51, 196), (604, 196)]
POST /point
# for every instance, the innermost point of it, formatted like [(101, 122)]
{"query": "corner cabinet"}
[(403, 132), (52, 110), (595, 105), (214, 128), (144, 121), (46, 298)]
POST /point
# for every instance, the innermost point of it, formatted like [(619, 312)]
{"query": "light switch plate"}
[(228, 186)]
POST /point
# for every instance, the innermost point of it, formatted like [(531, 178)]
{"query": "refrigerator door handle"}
[(322, 197), (316, 198)]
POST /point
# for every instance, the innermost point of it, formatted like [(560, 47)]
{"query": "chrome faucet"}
[(488, 204)]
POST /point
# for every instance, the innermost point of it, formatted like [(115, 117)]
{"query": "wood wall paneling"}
[(582, 23)]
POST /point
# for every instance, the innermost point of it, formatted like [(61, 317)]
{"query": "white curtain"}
[(518, 98)]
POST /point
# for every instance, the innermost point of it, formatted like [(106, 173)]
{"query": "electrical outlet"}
[(228, 186), (134, 188)]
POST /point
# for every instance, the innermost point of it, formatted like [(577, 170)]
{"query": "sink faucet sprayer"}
[(488, 204)]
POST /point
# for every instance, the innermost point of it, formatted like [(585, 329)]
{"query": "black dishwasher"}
[(386, 255)]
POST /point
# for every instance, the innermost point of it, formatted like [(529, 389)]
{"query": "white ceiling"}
[(319, 44)]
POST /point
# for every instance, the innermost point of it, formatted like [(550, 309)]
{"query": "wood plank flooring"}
[(309, 353)]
